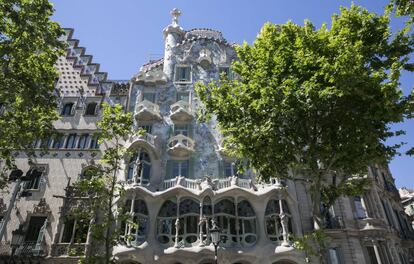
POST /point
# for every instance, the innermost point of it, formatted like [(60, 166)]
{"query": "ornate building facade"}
[(185, 179)]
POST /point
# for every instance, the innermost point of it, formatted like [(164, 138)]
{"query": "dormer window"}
[(91, 109), (182, 74), (67, 109)]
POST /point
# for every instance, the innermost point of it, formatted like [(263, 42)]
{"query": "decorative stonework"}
[(3, 206), (42, 208)]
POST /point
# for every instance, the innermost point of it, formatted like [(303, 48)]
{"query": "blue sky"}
[(124, 34)]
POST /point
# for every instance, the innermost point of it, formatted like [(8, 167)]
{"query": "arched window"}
[(185, 223), (139, 168), (166, 223), (224, 213), (91, 109), (276, 210), (247, 223), (67, 109), (189, 219), (135, 229)]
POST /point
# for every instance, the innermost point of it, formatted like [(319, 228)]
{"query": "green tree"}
[(29, 47), (315, 101), (102, 185), (404, 8)]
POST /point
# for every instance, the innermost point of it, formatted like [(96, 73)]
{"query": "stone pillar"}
[(177, 223), (237, 221), (284, 221), (173, 34)]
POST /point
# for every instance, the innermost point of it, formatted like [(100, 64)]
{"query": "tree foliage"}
[(317, 101), (29, 47), (404, 8), (102, 185)]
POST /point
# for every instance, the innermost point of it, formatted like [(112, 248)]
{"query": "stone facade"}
[(407, 200), (186, 179)]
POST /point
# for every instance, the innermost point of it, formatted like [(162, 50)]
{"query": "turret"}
[(173, 34)]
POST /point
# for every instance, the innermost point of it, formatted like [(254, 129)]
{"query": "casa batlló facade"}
[(185, 178)]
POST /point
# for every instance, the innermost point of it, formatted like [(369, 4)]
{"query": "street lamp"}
[(16, 240), (215, 234)]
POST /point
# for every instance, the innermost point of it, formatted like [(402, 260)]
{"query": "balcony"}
[(180, 146), (147, 111), (67, 249), (181, 111), (31, 248)]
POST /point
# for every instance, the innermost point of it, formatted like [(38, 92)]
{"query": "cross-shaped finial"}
[(175, 14)]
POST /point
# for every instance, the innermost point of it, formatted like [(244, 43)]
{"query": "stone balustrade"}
[(147, 111), (180, 146), (217, 184), (181, 111), (67, 249)]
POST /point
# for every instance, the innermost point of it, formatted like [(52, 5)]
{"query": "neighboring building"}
[(186, 178), (407, 200)]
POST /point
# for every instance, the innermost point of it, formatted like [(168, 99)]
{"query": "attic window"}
[(182, 74)]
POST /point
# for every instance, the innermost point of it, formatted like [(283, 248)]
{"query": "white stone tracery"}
[(278, 221), (186, 223), (135, 229)]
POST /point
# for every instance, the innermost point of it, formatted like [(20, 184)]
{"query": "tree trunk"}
[(110, 217), (318, 220)]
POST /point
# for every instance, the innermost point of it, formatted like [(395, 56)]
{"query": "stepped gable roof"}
[(78, 73), (206, 34)]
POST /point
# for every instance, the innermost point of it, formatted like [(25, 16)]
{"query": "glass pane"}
[(146, 172), (250, 226), (67, 231), (149, 97), (270, 226), (245, 209), (192, 224), (184, 168), (272, 207)]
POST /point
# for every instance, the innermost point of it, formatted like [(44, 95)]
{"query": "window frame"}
[(73, 231), (95, 109), (35, 183), (190, 74), (68, 111)]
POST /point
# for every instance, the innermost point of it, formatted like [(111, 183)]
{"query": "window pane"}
[(149, 97), (184, 168), (81, 231), (33, 230), (70, 143), (90, 109), (183, 96), (371, 255), (67, 231), (333, 256)]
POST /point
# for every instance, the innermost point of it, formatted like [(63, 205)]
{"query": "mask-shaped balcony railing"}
[(147, 111), (180, 146), (181, 111)]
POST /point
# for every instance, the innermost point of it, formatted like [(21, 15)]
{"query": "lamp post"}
[(215, 238), (16, 240)]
